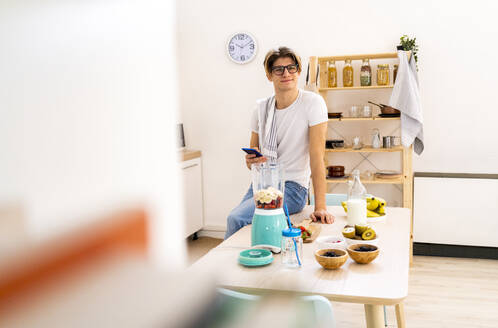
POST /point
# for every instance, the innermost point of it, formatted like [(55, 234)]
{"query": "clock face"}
[(241, 48)]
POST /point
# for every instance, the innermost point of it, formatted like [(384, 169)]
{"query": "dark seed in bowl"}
[(331, 254), (365, 249)]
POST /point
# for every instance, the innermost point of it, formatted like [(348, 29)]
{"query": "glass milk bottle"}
[(356, 204)]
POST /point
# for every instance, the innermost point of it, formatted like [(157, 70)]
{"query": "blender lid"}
[(291, 232), (255, 257)]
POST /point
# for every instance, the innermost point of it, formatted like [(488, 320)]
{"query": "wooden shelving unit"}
[(357, 88), (406, 178), (398, 180), (367, 149), (375, 118)]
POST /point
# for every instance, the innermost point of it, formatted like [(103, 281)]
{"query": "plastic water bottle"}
[(357, 204)]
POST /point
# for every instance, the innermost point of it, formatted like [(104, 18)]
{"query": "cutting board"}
[(313, 228)]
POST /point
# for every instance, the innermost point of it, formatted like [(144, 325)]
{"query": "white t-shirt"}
[(293, 125)]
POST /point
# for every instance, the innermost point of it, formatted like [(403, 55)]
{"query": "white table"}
[(382, 282)]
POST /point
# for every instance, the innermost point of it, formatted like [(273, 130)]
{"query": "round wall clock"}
[(241, 48)]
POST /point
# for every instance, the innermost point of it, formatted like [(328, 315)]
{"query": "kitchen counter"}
[(188, 154)]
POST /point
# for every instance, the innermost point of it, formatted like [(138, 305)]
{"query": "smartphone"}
[(252, 151)]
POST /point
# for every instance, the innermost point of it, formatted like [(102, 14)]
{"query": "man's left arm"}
[(317, 136)]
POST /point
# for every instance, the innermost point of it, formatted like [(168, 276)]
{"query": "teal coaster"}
[(255, 257)]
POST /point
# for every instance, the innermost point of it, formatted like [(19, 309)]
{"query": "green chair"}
[(316, 309), (331, 199)]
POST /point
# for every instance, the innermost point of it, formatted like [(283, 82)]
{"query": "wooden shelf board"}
[(375, 118), (367, 149), (371, 181), (390, 86), (359, 57)]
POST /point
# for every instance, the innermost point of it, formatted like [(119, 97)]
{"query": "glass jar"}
[(395, 72), (366, 73), (347, 74), (268, 185), (332, 74), (383, 74), (356, 143), (292, 247), (354, 111), (367, 111)]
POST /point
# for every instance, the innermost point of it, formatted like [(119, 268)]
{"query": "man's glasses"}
[(279, 70)]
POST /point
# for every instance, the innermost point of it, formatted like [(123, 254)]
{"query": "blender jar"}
[(268, 186)]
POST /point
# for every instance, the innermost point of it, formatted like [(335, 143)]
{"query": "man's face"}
[(287, 81)]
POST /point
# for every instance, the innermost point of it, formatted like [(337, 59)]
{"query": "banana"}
[(344, 205), (371, 214), (375, 207), (382, 202), (372, 204)]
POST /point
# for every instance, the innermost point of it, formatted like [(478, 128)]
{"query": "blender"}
[(269, 220)]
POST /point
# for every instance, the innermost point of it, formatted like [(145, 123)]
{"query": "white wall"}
[(457, 76), (88, 101)]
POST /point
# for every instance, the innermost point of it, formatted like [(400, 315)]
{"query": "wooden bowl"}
[(336, 168), (335, 115), (335, 171), (362, 257), (331, 262)]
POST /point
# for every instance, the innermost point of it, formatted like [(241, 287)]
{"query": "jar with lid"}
[(332, 74), (366, 73), (292, 247), (395, 72), (347, 74), (383, 74)]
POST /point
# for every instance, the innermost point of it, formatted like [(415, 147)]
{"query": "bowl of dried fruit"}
[(363, 253), (331, 258)]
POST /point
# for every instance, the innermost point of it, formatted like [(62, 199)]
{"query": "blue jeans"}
[(294, 198)]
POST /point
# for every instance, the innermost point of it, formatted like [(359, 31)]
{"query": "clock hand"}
[(246, 44), (238, 45)]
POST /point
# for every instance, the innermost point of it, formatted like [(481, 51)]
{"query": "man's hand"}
[(322, 215), (252, 159)]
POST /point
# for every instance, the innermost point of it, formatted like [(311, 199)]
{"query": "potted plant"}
[(408, 44)]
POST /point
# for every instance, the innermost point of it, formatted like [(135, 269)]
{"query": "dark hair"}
[(282, 52)]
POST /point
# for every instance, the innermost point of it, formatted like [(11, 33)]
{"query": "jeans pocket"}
[(297, 195)]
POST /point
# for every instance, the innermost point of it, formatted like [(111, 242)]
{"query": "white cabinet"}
[(455, 211), (192, 195)]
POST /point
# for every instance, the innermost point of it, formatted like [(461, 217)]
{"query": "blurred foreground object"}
[(97, 276)]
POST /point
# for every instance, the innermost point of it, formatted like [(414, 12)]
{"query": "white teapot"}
[(376, 138)]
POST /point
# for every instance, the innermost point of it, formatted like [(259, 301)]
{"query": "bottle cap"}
[(291, 232)]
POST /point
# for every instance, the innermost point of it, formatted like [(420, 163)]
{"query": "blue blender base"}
[(267, 226)]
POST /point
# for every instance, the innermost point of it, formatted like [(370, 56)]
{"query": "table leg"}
[(374, 316), (400, 315)]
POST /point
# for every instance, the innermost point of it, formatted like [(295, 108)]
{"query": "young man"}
[(295, 138)]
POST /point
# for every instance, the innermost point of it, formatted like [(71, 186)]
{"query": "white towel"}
[(406, 98), (268, 131)]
